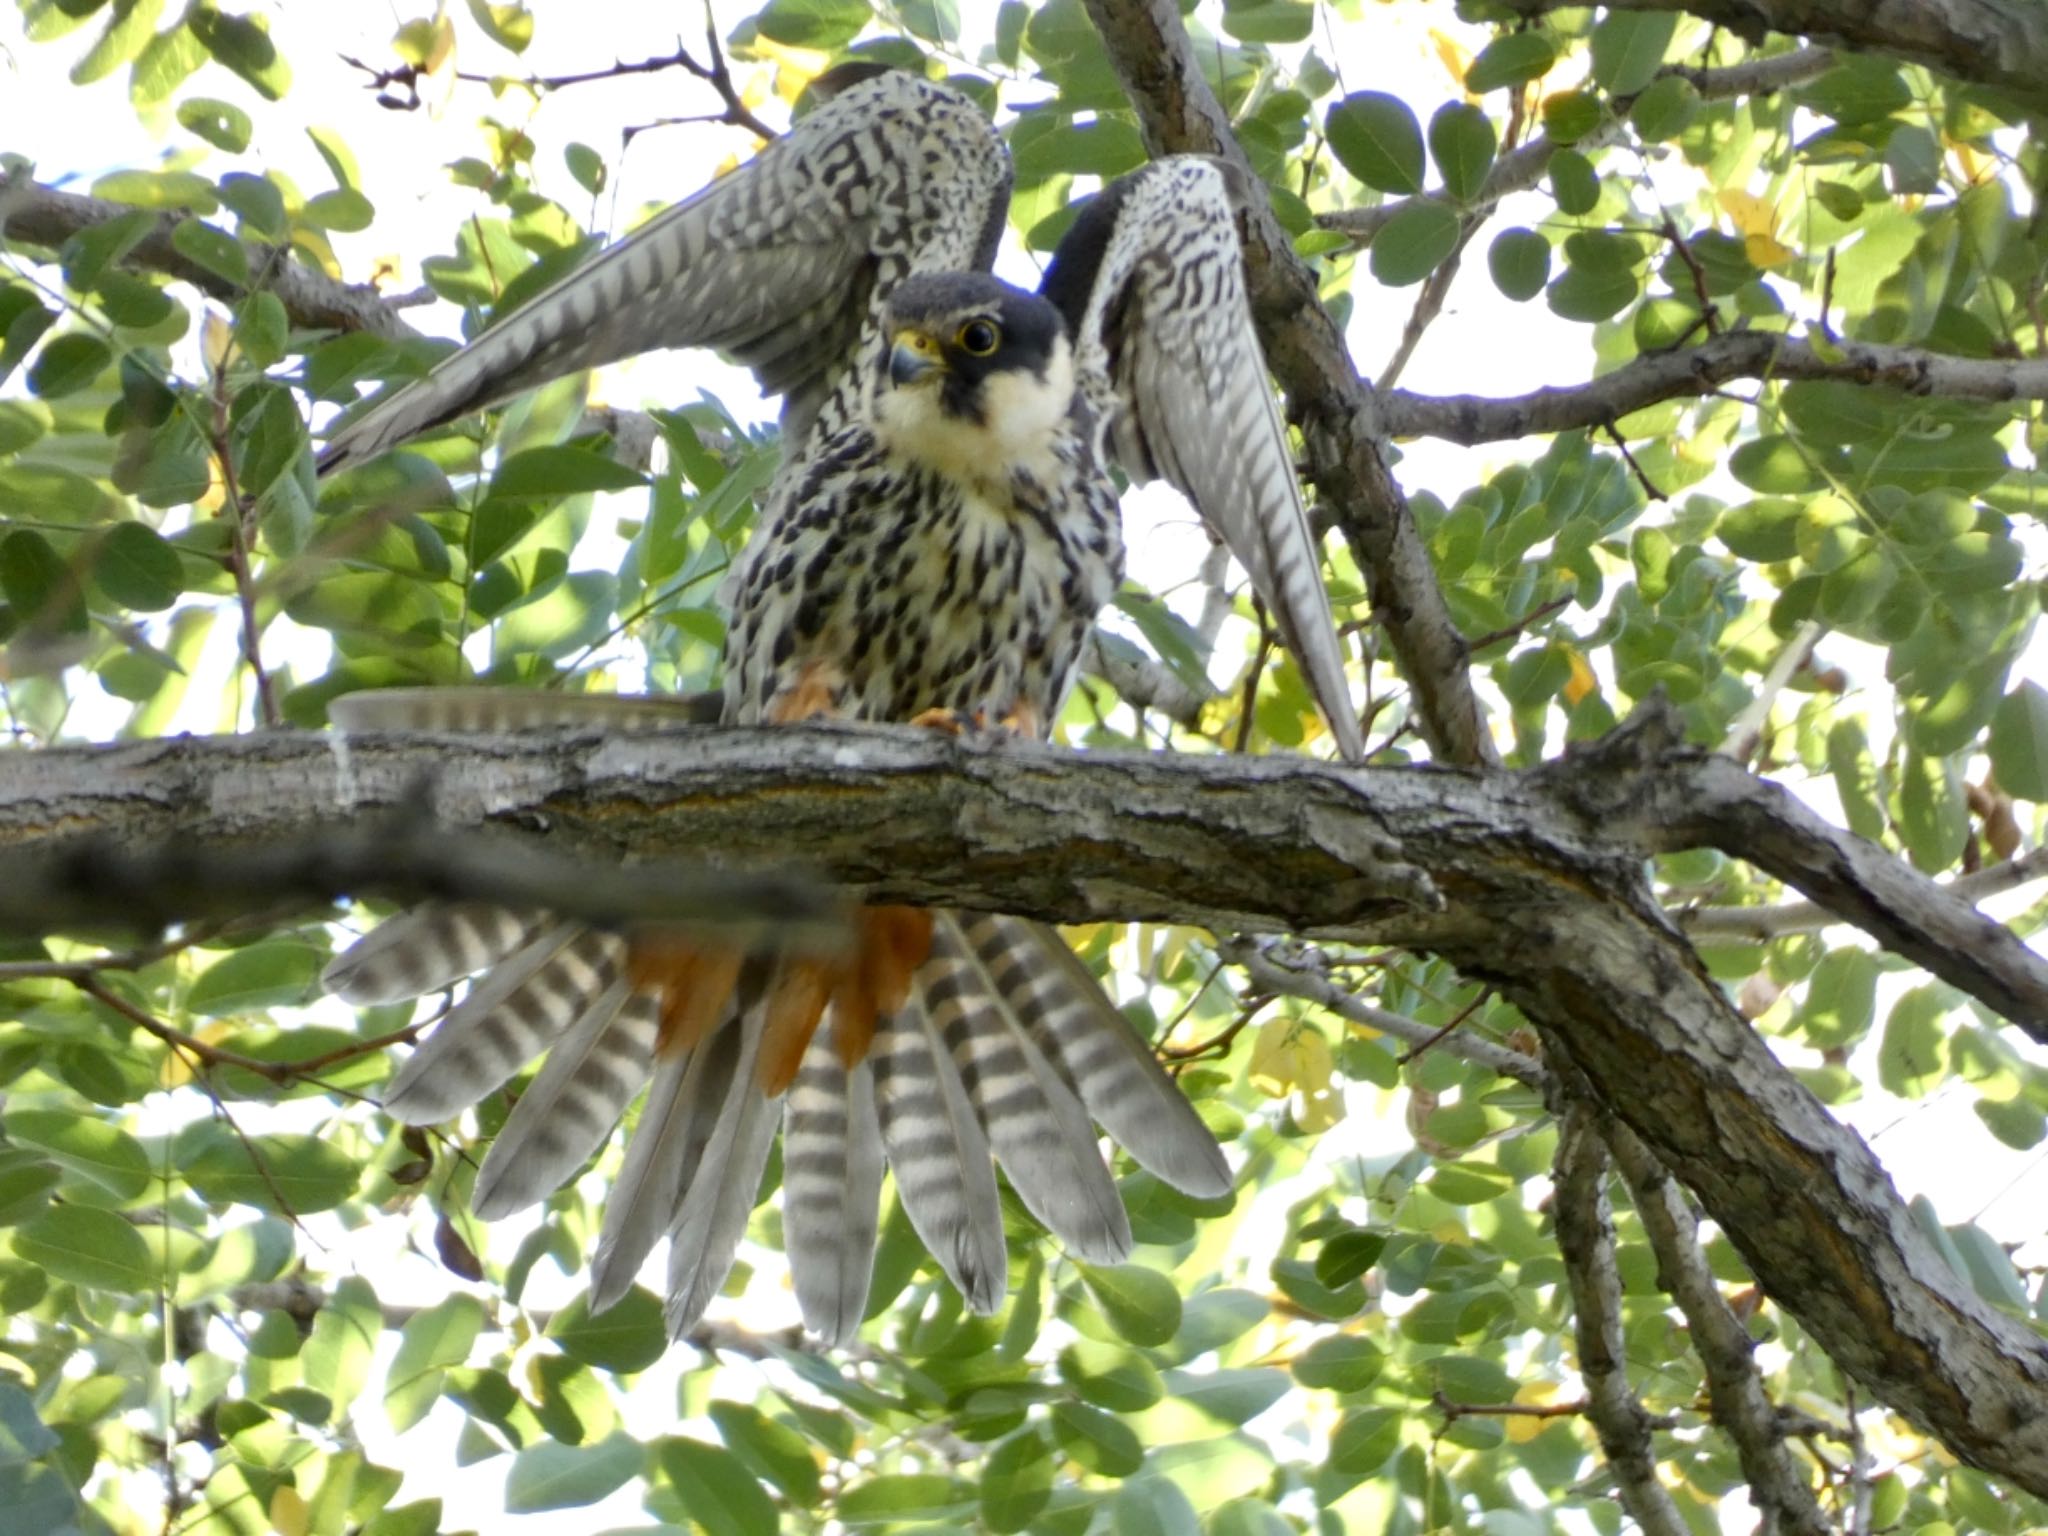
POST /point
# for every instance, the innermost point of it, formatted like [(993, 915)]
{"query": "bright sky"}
[(1481, 344)]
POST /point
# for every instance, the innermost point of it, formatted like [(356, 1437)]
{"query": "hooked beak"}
[(915, 356)]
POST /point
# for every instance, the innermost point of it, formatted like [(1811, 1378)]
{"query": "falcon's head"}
[(979, 376)]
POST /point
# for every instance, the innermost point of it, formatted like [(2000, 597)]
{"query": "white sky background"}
[(1480, 344)]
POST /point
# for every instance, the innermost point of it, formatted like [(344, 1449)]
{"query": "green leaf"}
[(291, 1174), (1363, 1440), (561, 471), (1462, 141), (434, 1340), (1099, 1441), (214, 249), (716, 1488), (39, 583), (897, 1497), (1347, 1255), (68, 364), (166, 62), (243, 44), (278, 970), (823, 24), (1377, 139), (2019, 742), (88, 1247), (1914, 1052), (1841, 999), (1665, 109), (2017, 1123), (1519, 260), (626, 1337), (129, 28), (1933, 819), (1855, 774), (1774, 465), (1142, 1305), (1628, 47), (770, 1449), (1510, 60), (1573, 182), (936, 21), (509, 26), (555, 1476), (1341, 1362), (586, 165), (1413, 242), (92, 1148), (135, 568), (1269, 21), (1016, 1481), (221, 123), (1152, 1506), (1587, 294), (344, 209)]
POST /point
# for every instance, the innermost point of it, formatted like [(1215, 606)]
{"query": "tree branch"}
[(1760, 925), (42, 216), (1654, 377), (1528, 882), (1778, 1487), (1150, 49), (1585, 1238), (1999, 43)]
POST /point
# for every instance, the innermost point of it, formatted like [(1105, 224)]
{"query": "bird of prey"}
[(941, 534)]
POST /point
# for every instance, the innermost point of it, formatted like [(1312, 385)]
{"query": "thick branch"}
[(1778, 1487), (1699, 370), (1528, 882), (42, 216), (1154, 59), (1760, 925), (2000, 43)]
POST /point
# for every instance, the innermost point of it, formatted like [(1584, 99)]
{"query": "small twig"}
[(1642, 477), (1760, 925), (1708, 310), (238, 512), (1454, 1411), (1249, 704), (1416, 1052), (1533, 616)]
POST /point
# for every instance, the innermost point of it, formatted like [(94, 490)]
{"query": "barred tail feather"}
[(831, 1189), (940, 1155), (509, 1017), (719, 1189), (426, 949), (561, 1120), (1040, 1133), (661, 1156), (1113, 1072)]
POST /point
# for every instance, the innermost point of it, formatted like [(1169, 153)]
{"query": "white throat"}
[(1023, 413)]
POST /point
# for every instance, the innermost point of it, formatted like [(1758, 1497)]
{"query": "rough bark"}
[(1531, 882)]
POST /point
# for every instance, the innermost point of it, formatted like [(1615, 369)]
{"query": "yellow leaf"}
[(1750, 213), (1765, 251), (1522, 1428), (1455, 57), (288, 1512), (1276, 1059), (1581, 682), (1973, 165)]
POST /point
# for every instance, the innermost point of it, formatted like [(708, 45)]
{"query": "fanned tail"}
[(1037, 1128), (1114, 1073), (425, 950)]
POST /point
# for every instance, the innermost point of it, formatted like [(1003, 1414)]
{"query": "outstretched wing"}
[(779, 263), (1151, 280)]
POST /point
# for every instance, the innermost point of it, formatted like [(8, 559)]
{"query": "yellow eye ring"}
[(979, 338)]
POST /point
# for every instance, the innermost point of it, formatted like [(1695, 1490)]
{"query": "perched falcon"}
[(941, 533)]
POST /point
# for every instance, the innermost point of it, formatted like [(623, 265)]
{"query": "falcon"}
[(940, 535)]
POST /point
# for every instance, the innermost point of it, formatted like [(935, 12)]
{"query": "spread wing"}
[(1151, 280), (779, 264)]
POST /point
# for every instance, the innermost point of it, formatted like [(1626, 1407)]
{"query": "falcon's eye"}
[(978, 338)]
